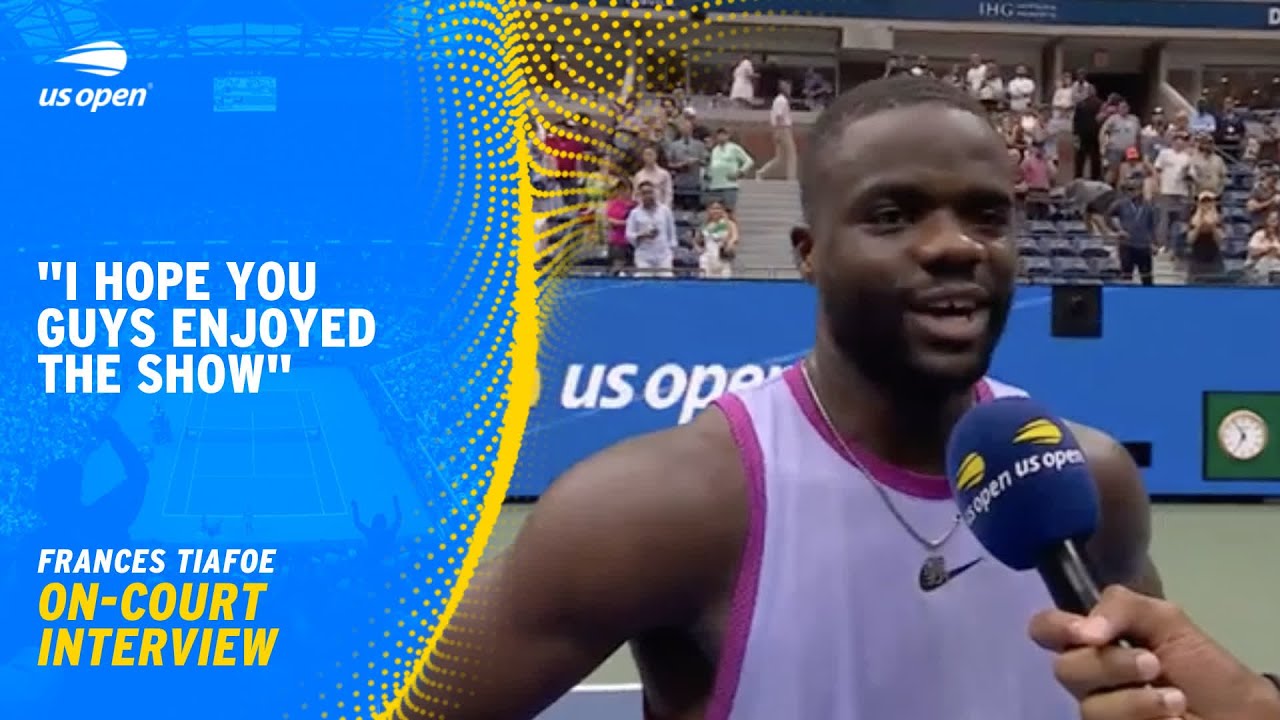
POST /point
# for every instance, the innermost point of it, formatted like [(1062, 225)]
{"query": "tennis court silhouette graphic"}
[(288, 461)]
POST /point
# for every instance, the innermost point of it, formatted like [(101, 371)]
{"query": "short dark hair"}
[(867, 99), (643, 185)]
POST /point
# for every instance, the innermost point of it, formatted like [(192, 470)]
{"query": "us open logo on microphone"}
[(106, 59), (971, 475)]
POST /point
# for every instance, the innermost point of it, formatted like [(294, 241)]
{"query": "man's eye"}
[(887, 216)]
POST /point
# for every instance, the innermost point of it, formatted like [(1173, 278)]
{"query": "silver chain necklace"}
[(934, 573)]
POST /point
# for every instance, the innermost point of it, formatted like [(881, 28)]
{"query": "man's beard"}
[(869, 330)]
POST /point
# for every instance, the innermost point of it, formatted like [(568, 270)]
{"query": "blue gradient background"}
[(384, 162)]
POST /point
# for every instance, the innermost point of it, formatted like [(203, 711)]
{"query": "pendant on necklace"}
[(933, 573)]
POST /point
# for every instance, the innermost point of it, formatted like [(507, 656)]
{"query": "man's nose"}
[(944, 241)]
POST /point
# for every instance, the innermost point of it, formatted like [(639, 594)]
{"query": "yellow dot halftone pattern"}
[(487, 327), (486, 78)]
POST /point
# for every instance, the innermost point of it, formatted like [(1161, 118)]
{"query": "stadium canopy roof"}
[(41, 29)]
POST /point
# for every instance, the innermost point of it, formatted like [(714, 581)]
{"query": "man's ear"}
[(802, 251)]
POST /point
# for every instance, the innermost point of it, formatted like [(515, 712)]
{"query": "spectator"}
[(1064, 99), (921, 67), (1263, 199), (743, 90), (784, 142), (1134, 222), (686, 158), (1119, 133), (1181, 125), (893, 66), (1133, 170), (1036, 177), (955, 76), (566, 149), (651, 230), (1173, 168), (1208, 170), (1231, 128), (615, 212), (651, 173), (1203, 121), (992, 92), (1153, 137), (1082, 87), (817, 90), (1205, 236), (1022, 90), (1264, 250), (1084, 124), (728, 163), (718, 240), (1095, 200), (700, 132), (975, 76)]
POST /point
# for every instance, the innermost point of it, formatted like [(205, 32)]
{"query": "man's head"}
[(784, 87), (648, 197), (907, 195), (722, 136), (1204, 143), (1122, 107), (649, 156)]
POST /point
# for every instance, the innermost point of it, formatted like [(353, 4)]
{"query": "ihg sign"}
[(1273, 17)]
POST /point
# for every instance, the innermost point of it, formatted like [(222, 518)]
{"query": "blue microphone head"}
[(1020, 480)]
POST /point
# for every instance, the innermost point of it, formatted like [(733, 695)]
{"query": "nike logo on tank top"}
[(829, 620)]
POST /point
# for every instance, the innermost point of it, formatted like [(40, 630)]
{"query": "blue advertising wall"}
[(627, 357)]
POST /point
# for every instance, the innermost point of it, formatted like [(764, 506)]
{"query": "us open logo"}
[(106, 58)]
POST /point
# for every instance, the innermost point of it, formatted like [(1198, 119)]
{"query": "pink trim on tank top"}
[(733, 647), (927, 487)]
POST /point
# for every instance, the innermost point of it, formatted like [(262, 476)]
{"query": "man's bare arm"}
[(638, 537), (1120, 548)]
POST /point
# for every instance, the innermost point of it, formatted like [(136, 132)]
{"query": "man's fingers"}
[(1144, 703), (1056, 630), (1086, 671)]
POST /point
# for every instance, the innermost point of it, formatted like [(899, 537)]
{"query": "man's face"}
[(910, 257), (647, 195)]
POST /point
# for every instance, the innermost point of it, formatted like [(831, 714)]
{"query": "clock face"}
[(1243, 434)]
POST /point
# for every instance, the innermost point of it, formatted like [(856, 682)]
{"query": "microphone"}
[(1025, 492)]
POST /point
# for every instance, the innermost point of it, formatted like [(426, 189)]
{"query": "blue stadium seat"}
[(1234, 270), (1071, 268), (1035, 267), (1243, 230), (1092, 247), (1063, 247), (1235, 214), (1029, 247), (1104, 268), (1074, 227), (1236, 249), (1235, 198), (1041, 228)]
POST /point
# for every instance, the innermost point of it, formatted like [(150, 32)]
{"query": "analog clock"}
[(1243, 434)]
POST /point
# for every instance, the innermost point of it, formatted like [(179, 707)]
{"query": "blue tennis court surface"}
[(281, 465)]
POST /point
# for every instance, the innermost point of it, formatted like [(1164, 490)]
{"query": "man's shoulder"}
[(690, 471)]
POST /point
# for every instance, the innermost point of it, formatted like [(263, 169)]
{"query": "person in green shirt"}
[(727, 164)]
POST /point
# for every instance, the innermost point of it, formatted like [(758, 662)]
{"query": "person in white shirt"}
[(656, 175), (784, 141), (651, 230), (976, 76), (1064, 98), (993, 90), (743, 90), (1021, 89), (1173, 168)]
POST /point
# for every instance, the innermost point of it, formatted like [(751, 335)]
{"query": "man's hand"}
[(1177, 670)]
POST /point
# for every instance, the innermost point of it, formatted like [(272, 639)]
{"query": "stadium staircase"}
[(767, 210)]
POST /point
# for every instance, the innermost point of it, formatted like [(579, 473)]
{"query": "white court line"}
[(177, 452), (195, 456), (337, 478), (606, 688)]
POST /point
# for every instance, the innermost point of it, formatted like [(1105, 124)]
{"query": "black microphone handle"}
[(1067, 574)]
